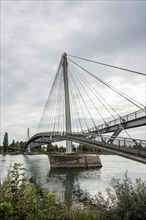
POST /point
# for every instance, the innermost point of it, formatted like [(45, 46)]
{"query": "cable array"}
[(90, 104), (108, 65)]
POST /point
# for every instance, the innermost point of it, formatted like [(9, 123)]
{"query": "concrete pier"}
[(74, 161)]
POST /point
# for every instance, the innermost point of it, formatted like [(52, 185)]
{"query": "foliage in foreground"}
[(128, 202), (20, 200)]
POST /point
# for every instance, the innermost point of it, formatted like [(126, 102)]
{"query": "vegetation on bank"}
[(22, 200), (17, 146)]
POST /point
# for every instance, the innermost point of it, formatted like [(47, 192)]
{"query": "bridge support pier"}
[(74, 161)]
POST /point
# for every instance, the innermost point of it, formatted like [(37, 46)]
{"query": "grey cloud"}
[(35, 34)]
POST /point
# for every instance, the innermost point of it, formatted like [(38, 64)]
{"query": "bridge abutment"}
[(74, 161)]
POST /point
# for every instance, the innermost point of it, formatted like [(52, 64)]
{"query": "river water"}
[(68, 184)]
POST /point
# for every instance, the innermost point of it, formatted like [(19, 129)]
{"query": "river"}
[(68, 184)]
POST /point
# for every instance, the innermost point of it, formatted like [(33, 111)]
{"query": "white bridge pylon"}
[(67, 102)]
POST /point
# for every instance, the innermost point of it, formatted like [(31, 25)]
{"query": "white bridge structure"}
[(78, 111)]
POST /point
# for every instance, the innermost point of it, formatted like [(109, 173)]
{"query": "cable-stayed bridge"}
[(82, 107)]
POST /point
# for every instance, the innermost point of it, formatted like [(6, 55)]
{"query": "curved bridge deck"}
[(132, 149)]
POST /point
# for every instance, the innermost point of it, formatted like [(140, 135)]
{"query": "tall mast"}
[(67, 101)]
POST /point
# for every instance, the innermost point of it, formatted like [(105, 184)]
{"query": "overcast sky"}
[(34, 34)]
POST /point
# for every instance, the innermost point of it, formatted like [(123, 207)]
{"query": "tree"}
[(5, 142), (50, 148), (12, 145), (62, 149), (56, 147), (21, 144), (17, 144), (83, 148)]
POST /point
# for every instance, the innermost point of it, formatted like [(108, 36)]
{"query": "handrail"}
[(106, 137), (135, 147), (125, 118)]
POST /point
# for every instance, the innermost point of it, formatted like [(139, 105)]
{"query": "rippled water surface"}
[(68, 182)]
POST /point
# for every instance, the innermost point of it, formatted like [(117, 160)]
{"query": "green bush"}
[(126, 202), (82, 215), (20, 200), (6, 210)]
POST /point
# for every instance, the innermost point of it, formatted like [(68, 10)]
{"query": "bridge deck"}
[(132, 120), (132, 149)]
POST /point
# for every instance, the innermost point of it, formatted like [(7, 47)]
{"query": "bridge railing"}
[(122, 141), (125, 118), (134, 146)]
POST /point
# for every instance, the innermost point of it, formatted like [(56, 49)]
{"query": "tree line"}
[(19, 145), (13, 146)]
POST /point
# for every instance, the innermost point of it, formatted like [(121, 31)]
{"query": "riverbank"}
[(20, 199), (47, 153)]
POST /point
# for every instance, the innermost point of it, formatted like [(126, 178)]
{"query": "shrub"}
[(127, 202), (20, 200)]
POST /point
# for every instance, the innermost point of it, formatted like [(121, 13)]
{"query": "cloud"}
[(34, 34)]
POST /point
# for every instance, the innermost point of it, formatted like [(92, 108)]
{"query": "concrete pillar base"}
[(74, 161)]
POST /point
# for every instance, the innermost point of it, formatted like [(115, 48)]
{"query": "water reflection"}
[(67, 184), (74, 184), (64, 183), (6, 160), (37, 168)]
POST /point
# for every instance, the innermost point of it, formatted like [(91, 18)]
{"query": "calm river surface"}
[(68, 183)]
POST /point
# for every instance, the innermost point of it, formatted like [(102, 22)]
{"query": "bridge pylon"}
[(27, 138), (27, 135), (67, 102)]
